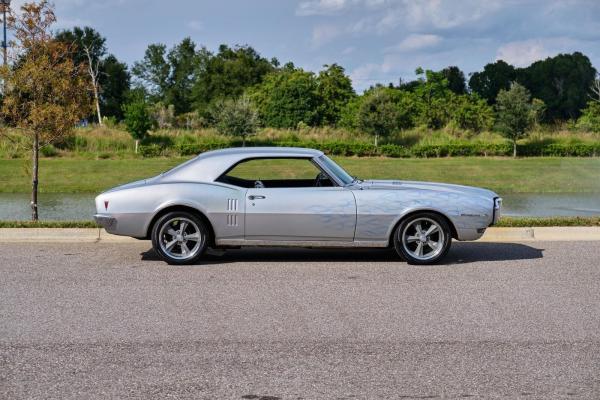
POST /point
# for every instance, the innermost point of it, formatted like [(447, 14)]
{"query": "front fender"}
[(379, 211)]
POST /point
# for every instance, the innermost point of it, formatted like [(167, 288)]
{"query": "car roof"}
[(261, 151), (208, 166)]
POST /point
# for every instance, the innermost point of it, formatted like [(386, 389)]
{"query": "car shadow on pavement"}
[(460, 253), (468, 252)]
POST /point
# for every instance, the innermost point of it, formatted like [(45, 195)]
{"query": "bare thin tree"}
[(595, 88), (93, 70)]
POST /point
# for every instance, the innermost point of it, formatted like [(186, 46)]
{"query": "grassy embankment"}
[(503, 175)]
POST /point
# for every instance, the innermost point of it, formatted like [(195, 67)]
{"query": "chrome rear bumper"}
[(108, 223)]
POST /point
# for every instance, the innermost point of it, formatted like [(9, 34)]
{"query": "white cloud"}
[(416, 42), (423, 14), (522, 53), (320, 7)]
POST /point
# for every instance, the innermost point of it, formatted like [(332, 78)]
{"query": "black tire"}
[(405, 249), (169, 222)]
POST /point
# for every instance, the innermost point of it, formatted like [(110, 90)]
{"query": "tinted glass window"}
[(276, 173)]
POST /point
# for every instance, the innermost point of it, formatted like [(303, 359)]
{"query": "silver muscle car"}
[(291, 197)]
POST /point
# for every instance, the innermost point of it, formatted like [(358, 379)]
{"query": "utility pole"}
[(5, 4)]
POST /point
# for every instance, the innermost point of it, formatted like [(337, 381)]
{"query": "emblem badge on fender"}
[(105, 204)]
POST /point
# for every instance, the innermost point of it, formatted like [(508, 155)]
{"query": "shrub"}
[(472, 113), (151, 150), (590, 119), (378, 115), (236, 117), (49, 151)]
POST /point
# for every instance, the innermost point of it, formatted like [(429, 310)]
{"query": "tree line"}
[(183, 85)]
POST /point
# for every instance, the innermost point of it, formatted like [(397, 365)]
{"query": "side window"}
[(276, 173)]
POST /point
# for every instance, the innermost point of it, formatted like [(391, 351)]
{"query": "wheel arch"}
[(420, 211), (182, 208)]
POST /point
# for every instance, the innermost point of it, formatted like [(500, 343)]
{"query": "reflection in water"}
[(551, 204), (72, 207), (52, 206)]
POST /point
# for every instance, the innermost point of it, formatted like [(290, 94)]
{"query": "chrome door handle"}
[(255, 197)]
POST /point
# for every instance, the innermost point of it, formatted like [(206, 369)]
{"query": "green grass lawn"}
[(504, 175)]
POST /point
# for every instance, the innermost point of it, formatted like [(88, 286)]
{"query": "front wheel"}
[(179, 238), (423, 238)]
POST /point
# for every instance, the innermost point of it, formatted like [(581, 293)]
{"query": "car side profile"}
[(277, 196)]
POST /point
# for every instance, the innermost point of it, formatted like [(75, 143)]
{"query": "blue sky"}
[(375, 40)]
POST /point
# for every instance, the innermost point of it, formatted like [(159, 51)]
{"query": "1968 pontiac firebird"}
[(291, 197)]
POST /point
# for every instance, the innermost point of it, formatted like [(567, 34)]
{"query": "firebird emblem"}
[(105, 205)]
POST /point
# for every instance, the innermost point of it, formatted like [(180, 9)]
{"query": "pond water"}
[(51, 206), (72, 207)]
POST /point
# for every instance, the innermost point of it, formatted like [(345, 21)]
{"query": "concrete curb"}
[(60, 235), (94, 235), (548, 234)]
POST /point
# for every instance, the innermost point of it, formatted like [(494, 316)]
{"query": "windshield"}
[(336, 170)]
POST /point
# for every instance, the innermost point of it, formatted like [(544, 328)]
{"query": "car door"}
[(300, 214)]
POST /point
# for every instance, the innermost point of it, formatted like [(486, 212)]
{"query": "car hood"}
[(433, 186)]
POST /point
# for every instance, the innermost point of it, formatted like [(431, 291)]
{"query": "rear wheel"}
[(423, 238), (180, 237)]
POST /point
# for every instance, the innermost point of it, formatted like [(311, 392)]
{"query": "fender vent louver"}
[(232, 219), (232, 204)]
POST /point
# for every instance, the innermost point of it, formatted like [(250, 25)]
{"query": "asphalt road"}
[(81, 321)]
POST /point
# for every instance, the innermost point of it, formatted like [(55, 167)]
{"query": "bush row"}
[(338, 148)]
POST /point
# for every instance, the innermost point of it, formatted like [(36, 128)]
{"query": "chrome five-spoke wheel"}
[(179, 237), (423, 238)]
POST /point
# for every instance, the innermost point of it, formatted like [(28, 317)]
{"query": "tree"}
[(114, 83), (137, 118), (171, 76), (349, 113), (152, 73), (87, 48), (236, 117), (472, 113), (335, 90), (562, 83), (590, 118), (514, 113), (228, 74), (434, 99), (378, 114), (183, 60), (46, 93), (286, 98), (79, 39), (456, 79), (494, 77)]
